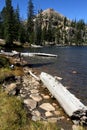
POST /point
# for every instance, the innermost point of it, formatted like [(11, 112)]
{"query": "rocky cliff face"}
[(58, 29)]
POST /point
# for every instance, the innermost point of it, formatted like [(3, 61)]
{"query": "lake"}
[(71, 65)]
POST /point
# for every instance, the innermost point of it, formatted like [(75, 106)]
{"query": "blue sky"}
[(73, 9)]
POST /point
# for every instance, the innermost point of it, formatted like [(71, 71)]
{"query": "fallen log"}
[(26, 54), (33, 75), (38, 54), (7, 53), (36, 46), (76, 110)]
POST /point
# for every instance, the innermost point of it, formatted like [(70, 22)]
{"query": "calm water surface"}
[(69, 59)]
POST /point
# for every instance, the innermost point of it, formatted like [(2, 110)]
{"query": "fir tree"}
[(38, 28), (30, 22), (17, 23), (22, 33), (1, 27), (9, 23), (80, 31), (44, 35)]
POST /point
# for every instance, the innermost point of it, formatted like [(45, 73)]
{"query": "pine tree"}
[(50, 32), (9, 23), (80, 31), (30, 22), (38, 28), (22, 33), (44, 35), (1, 27), (17, 24)]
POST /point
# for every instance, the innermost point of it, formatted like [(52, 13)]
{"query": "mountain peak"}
[(51, 11)]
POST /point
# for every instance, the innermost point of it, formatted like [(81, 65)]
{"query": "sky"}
[(72, 9)]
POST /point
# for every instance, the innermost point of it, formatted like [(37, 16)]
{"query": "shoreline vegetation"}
[(27, 45), (26, 104)]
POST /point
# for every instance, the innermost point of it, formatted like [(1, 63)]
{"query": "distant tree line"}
[(39, 29)]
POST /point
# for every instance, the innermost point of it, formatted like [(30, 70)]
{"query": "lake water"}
[(71, 65)]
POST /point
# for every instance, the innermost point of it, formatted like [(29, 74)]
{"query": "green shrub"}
[(4, 73), (4, 62)]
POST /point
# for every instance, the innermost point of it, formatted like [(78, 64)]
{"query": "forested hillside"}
[(46, 27)]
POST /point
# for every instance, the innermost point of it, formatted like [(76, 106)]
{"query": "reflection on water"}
[(71, 65), (36, 65)]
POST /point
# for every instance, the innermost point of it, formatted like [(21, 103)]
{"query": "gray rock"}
[(48, 114), (11, 87), (33, 91), (22, 95), (13, 92), (36, 113), (36, 118), (77, 127), (45, 96), (57, 113), (47, 107), (36, 97), (30, 103), (62, 129)]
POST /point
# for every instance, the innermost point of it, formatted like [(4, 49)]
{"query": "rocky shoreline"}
[(38, 102)]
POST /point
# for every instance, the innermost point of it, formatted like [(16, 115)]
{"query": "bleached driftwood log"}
[(71, 105), (33, 75), (28, 54), (7, 53), (38, 54)]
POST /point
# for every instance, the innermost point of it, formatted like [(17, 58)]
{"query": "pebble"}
[(57, 113), (34, 91), (62, 129), (45, 96), (48, 114)]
